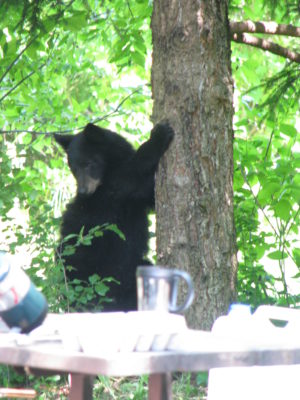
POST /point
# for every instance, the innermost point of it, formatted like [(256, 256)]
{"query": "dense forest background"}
[(66, 63), (63, 64)]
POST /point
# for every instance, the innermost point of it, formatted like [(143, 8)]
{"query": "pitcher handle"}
[(190, 295)]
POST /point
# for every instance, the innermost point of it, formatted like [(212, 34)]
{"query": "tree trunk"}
[(192, 87)]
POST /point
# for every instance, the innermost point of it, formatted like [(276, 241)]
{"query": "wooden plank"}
[(17, 393), (81, 387), (134, 363), (160, 387)]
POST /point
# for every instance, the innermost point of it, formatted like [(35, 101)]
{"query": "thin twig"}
[(61, 263), (19, 83), (269, 145), (129, 8), (292, 220), (257, 202), (117, 108), (74, 129), (16, 59)]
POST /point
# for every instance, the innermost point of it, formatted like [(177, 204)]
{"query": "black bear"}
[(115, 185)]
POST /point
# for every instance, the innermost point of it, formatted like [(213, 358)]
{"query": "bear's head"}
[(92, 154)]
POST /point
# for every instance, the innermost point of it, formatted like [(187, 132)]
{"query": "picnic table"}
[(185, 350)]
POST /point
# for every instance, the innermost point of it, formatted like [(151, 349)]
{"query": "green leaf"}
[(138, 58), (116, 230), (242, 122), (94, 279), (288, 130), (283, 209), (86, 241), (295, 229), (76, 281), (68, 237), (268, 190), (76, 22), (68, 251), (27, 138), (101, 289), (296, 255), (98, 233), (277, 255)]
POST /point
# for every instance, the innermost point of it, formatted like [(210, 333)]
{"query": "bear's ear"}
[(63, 140), (92, 132)]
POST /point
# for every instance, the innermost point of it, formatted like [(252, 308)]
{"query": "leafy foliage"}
[(282, 90), (64, 63), (75, 295), (267, 212), (55, 76), (266, 174)]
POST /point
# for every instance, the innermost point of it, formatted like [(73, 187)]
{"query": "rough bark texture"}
[(192, 87)]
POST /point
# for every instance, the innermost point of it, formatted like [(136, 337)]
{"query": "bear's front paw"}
[(163, 133)]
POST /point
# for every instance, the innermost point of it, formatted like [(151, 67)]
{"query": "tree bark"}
[(192, 87)]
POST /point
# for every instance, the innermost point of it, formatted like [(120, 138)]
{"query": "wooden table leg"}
[(81, 387), (160, 387)]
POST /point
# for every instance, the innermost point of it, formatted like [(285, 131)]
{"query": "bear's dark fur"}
[(115, 185)]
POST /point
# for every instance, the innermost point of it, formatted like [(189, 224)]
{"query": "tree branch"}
[(270, 28), (17, 57), (18, 84), (30, 43), (266, 45), (117, 108), (257, 201)]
